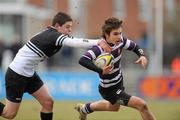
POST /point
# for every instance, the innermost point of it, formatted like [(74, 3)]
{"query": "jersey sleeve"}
[(128, 44), (132, 46), (65, 40), (87, 59), (93, 53)]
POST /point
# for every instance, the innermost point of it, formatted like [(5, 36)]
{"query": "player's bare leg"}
[(104, 105), (10, 109), (140, 104), (101, 105), (46, 101)]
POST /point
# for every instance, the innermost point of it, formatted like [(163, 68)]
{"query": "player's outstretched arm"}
[(80, 42)]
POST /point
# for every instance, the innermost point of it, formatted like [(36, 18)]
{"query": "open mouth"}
[(118, 41)]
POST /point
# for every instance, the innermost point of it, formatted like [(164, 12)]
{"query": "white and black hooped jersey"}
[(41, 46), (115, 76)]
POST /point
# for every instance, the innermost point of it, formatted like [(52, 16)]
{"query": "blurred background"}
[(153, 24)]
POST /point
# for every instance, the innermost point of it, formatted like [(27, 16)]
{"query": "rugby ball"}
[(104, 59)]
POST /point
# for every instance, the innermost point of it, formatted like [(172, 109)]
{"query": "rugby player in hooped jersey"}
[(21, 76), (111, 85)]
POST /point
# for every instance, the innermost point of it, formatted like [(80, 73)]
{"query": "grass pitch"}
[(64, 110)]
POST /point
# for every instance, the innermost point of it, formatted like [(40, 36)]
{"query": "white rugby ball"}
[(104, 59)]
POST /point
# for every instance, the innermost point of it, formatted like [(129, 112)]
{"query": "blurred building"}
[(27, 17)]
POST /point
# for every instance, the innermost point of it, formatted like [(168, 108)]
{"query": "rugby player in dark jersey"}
[(21, 76), (111, 85)]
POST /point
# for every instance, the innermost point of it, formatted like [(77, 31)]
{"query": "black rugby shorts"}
[(115, 94), (17, 85)]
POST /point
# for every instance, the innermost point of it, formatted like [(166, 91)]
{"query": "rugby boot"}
[(78, 107)]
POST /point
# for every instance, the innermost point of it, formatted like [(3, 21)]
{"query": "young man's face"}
[(65, 28), (115, 36)]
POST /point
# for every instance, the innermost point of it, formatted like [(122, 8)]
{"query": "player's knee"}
[(143, 106), (10, 115), (114, 108), (48, 104)]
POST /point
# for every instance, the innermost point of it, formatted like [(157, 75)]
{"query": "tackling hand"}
[(104, 46)]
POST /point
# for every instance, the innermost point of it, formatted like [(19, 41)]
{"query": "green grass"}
[(64, 110)]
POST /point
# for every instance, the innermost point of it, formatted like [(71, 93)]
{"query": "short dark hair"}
[(61, 18), (111, 24)]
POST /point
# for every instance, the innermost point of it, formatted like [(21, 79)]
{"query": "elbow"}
[(81, 61)]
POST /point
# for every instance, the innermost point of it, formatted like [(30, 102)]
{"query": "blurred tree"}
[(171, 36)]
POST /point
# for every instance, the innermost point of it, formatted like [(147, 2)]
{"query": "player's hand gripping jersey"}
[(41, 46), (115, 76)]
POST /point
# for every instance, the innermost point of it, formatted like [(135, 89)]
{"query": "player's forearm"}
[(80, 42), (89, 65), (138, 51)]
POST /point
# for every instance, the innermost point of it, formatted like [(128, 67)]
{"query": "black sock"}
[(1, 108), (46, 116)]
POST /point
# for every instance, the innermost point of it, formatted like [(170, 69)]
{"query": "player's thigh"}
[(37, 89), (136, 102), (15, 86), (104, 105), (11, 108), (42, 94), (34, 84)]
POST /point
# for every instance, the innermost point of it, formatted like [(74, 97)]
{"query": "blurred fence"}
[(84, 85)]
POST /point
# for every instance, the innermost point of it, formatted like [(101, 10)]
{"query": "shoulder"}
[(97, 48), (54, 36), (124, 39), (47, 33), (53, 33)]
